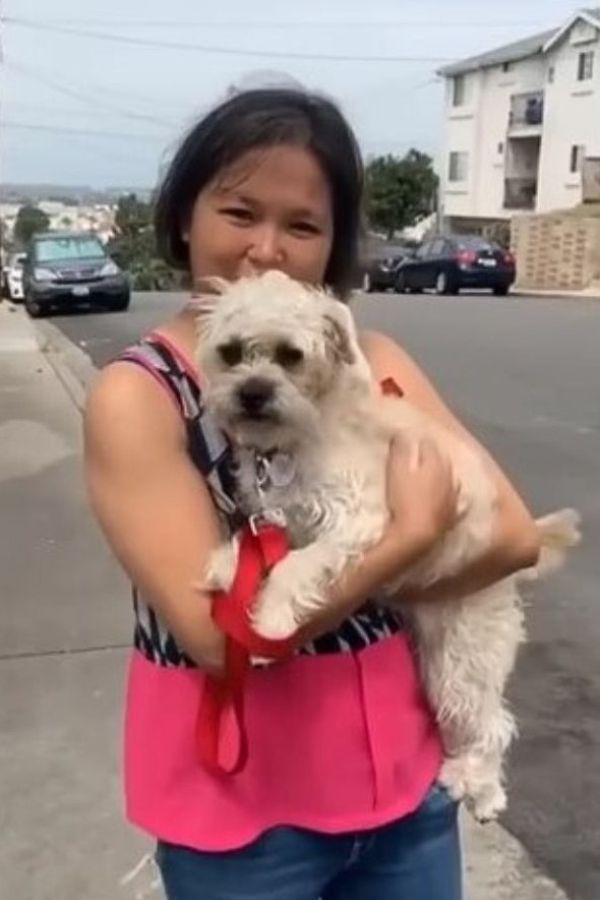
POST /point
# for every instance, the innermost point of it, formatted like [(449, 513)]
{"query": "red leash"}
[(260, 550)]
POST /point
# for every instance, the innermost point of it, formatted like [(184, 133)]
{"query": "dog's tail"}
[(559, 531)]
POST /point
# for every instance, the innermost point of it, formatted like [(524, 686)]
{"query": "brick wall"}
[(556, 251)]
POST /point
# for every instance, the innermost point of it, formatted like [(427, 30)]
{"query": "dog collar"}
[(273, 468)]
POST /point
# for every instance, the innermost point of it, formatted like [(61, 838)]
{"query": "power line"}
[(281, 25), (84, 97), (85, 132), (224, 51)]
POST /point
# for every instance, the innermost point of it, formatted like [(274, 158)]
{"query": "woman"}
[(338, 798)]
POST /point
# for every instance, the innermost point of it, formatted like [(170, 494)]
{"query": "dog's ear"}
[(209, 286), (337, 340), (204, 300)]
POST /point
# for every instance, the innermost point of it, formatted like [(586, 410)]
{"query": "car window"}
[(61, 249), (437, 247), (423, 251), (475, 243)]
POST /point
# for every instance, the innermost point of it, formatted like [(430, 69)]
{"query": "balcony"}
[(526, 112), (520, 193)]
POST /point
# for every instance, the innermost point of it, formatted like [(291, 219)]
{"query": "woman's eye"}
[(231, 354), (304, 227), (287, 357), (238, 213)]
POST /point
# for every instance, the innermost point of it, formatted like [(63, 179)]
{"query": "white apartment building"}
[(522, 129)]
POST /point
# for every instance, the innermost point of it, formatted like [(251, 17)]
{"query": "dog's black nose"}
[(254, 394)]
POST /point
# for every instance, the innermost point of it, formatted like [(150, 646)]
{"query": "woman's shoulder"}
[(124, 399)]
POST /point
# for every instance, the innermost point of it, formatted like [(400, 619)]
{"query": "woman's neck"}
[(181, 329)]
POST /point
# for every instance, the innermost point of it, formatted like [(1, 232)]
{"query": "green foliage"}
[(134, 248), (30, 220), (399, 191)]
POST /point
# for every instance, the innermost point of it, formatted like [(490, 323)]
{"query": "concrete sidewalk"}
[(66, 627)]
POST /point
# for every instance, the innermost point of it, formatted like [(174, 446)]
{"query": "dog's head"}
[(273, 352)]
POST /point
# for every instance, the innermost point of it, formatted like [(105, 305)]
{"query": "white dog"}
[(286, 379)]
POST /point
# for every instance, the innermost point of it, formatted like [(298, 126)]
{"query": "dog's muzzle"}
[(254, 395)]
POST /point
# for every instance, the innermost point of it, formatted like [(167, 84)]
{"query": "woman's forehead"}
[(284, 170)]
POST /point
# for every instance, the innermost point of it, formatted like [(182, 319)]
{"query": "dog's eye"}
[(287, 356), (231, 353)]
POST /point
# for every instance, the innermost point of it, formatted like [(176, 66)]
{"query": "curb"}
[(550, 295), (72, 366)]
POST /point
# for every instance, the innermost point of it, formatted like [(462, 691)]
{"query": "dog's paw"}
[(221, 568), (487, 803), (276, 624), (483, 794), (454, 777), (273, 616)]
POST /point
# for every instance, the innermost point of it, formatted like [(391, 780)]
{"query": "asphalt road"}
[(525, 375)]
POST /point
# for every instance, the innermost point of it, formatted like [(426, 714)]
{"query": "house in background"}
[(522, 130)]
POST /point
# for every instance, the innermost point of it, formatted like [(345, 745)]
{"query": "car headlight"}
[(41, 274), (109, 268)]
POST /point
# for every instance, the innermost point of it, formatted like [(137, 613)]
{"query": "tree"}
[(400, 192), (134, 247), (30, 220)]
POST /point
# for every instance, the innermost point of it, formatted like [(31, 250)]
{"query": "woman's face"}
[(271, 209)]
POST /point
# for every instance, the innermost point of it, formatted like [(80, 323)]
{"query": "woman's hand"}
[(422, 495)]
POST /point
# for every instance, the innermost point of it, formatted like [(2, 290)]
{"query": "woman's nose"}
[(265, 249)]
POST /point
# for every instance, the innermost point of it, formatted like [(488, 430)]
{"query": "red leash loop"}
[(223, 698), (260, 550)]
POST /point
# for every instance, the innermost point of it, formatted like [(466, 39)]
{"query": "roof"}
[(529, 46), (589, 15), (53, 234)]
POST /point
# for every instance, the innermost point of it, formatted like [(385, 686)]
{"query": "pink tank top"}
[(340, 736)]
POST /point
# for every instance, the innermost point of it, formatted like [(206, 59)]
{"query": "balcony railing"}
[(520, 193), (526, 110)]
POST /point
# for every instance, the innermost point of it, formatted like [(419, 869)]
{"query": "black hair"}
[(264, 118)]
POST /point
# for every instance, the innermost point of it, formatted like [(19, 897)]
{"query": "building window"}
[(458, 90), (551, 75), (457, 166), (500, 148), (576, 160), (585, 66), (506, 67)]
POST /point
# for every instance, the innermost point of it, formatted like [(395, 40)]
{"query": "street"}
[(523, 373)]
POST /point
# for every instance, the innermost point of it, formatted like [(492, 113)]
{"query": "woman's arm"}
[(152, 504)]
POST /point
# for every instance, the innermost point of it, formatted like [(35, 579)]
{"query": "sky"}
[(107, 111)]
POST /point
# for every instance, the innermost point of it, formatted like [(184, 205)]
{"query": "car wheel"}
[(441, 283), (34, 309), (400, 283), (444, 284), (501, 290)]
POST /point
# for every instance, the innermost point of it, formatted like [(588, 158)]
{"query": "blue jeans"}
[(415, 858)]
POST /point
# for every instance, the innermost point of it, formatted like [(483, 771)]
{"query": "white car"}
[(13, 276)]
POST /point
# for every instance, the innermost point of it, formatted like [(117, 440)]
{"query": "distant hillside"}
[(21, 193)]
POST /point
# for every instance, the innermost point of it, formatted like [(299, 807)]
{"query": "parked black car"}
[(379, 270), (448, 264), (63, 270)]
